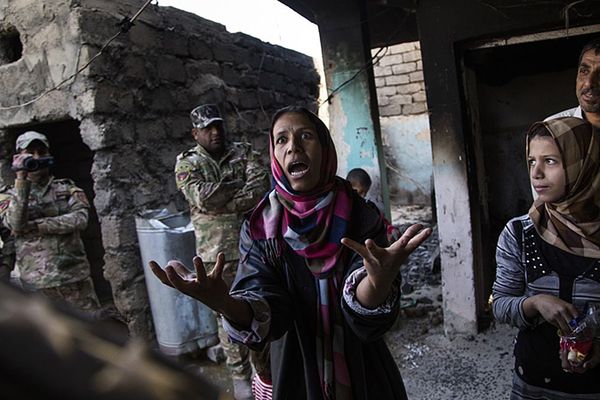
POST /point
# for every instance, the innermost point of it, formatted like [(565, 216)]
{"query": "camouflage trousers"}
[(238, 361), (80, 294)]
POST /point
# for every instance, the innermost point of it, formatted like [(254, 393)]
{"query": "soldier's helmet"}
[(204, 115), (26, 138)]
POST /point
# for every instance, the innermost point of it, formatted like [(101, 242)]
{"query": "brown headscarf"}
[(572, 223)]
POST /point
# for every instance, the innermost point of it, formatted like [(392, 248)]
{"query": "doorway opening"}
[(509, 84)]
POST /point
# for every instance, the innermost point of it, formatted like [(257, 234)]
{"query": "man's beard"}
[(593, 107)]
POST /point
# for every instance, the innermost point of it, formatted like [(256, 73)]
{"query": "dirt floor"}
[(433, 366)]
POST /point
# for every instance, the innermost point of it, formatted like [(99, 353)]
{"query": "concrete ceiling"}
[(389, 21)]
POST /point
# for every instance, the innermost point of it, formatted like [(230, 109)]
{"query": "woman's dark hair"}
[(322, 130), (539, 130)]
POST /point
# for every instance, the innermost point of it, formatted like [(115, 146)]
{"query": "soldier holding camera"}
[(46, 216)]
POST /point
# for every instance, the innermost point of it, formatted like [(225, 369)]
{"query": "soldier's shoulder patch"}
[(182, 176), (80, 196), (73, 189), (4, 202), (183, 166)]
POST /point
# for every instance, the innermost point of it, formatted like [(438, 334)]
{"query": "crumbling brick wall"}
[(133, 104), (404, 122), (399, 81)]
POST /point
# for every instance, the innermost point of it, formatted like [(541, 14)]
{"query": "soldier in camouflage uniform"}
[(221, 181), (45, 216), (7, 243)]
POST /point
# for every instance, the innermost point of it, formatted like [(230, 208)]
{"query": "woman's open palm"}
[(210, 289), (383, 263)]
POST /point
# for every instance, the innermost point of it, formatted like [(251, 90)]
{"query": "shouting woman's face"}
[(298, 150)]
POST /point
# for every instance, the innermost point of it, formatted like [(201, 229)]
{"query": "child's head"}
[(563, 156), (360, 181)]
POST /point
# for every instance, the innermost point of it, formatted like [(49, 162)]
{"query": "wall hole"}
[(11, 48)]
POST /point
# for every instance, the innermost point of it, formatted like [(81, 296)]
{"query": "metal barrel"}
[(182, 324)]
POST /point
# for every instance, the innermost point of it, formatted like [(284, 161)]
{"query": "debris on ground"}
[(434, 366)]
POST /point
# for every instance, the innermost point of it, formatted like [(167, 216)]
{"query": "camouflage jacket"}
[(219, 192), (46, 222), (7, 242)]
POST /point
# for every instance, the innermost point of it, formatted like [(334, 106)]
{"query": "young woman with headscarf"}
[(316, 278), (548, 262)]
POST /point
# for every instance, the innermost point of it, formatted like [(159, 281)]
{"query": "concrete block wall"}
[(133, 105), (402, 102), (399, 80)]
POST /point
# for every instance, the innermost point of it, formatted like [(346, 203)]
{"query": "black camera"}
[(31, 164)]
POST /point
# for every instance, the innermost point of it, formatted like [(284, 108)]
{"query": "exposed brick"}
[(144, 37), (412, 56), (382, 71), (103, 28), (416, 76), (110, 99), (171, 69), (231, 75), (199, 49), (404, 68), (162, 100), (383, 100), (379, 82), (409, 89), (250, 100), (195, 68), (401, 99), (402, 48), (275, 80), (387, 91), (224, 52), (414, 108), (419, 97), (134, 67), (396, 80), (375, 51), (392, 109), (150, 131), (175, 43), (391, 60)]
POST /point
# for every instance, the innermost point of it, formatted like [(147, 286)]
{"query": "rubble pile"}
[(421, 273)]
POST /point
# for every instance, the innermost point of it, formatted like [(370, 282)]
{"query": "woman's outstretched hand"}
[(383, 263), (210, 289)]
